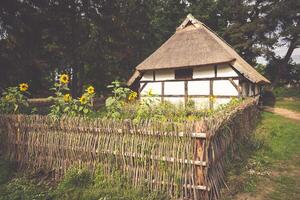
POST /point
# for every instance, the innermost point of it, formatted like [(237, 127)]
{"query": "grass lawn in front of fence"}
[(269, 166), (288, 103), (77, 184)]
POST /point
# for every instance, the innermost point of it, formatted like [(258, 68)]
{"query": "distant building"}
[(195, 63)]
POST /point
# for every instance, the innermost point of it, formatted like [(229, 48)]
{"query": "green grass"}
[(274, 149), (292, 104), (286, 92), (78, 184), (280, 138), (286, 187)]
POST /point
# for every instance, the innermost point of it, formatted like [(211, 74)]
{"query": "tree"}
[(283, 18)]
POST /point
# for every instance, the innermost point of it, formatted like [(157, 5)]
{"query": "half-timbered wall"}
[(220, 81)]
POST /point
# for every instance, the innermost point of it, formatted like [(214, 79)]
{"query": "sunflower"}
[(132, 96), (23, 87), (90, 90), (67, 97), (64, 79), (83, 99)]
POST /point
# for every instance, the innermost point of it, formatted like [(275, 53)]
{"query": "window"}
[(184, 74)]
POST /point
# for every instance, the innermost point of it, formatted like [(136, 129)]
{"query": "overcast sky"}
[(281, 51)]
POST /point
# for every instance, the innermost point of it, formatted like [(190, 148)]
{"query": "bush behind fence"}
[(184, 159)]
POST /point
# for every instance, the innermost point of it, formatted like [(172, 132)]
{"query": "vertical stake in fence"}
[(200, 175)]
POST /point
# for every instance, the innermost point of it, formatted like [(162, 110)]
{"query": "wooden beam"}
[(143, 86), (211, 93), (216, 70), (197, 96), (154, 78), (237, 87), (162, 91), (186, 93), (197, 79)]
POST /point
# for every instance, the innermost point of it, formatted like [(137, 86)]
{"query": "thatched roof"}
[(194, 44)]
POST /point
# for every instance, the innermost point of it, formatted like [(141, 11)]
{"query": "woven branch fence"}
[(185, 160)]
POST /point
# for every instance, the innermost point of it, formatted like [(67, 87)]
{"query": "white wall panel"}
[(256, 90), (201, 103), (174, 88), (204, 72), (175, 100), (226, 71), (148, 76), (224, 87), (198, 87), (220, 101), (166, 74), (155, 87)]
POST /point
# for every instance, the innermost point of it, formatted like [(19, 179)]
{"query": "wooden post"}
[(211, 93), (237, 87), (200, 155), (185, 92), (162, 91)]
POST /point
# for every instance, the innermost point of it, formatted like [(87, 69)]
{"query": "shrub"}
[(64, 104), (123, 105), (14, 100)]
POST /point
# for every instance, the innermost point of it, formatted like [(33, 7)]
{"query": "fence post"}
[(200, 155)]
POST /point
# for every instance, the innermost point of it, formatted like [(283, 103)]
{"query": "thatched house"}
[(195, 63)]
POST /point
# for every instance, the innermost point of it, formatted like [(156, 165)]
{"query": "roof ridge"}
[(192, 19)]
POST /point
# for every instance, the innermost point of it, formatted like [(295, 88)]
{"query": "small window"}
[(184, 74)]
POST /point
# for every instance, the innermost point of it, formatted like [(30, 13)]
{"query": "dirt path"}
[(283, 112)]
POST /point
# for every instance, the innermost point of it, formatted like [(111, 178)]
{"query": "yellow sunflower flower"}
[(90, 90), (132, 96), (23, 87), (64, 79), (67, 97), (83, 99)]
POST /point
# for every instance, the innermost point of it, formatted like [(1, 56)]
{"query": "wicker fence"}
[(186, 160)]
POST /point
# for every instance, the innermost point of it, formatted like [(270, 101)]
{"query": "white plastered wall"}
[(226, 71), (220, 101), (224, 88), (165, 74), (195, 87), (198, 88), (203, 72), (147, 76), (201, 102), (175, 100), (155, 88), (174, 88)]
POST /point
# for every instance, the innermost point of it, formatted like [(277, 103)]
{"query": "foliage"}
[(14, 100), (64, 104), (286, 92), (115, 103), (124, 105), (74, 36)]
